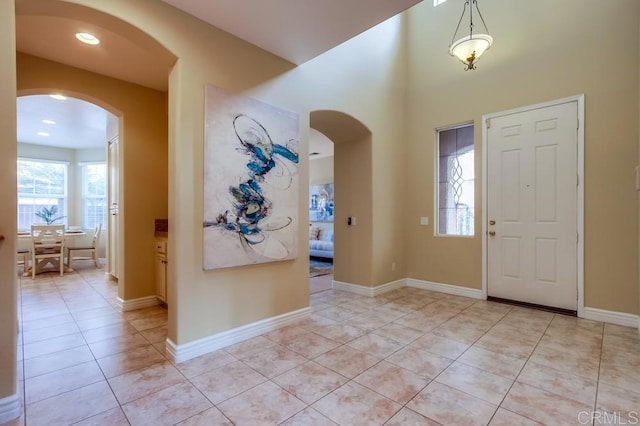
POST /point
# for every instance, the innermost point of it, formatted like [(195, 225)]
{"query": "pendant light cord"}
[(464, 9), (481, 18), (461, 16)]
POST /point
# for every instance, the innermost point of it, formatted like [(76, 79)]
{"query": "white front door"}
[(532, 206)]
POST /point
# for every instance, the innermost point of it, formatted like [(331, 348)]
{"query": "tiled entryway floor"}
[(320, 283), (410, 357)]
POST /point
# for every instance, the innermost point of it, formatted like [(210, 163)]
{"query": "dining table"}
[(72, 236)]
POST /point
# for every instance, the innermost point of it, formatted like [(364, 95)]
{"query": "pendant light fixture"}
[(468, 49)]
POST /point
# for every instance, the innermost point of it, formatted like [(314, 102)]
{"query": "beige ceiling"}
[(47, 29), (54, 40), (296, 30)]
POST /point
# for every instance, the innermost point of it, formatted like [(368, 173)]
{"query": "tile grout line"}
[(21, 348), (520, 372), (340, 303), (85, 282), (595, 401)]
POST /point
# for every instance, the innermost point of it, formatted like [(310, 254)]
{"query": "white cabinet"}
[(161, 269), (114, 222)]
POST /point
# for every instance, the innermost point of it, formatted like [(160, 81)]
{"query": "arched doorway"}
[(38, 41), (65, 139), (139, 100), (321, 212), (352, 170), (46, 58)]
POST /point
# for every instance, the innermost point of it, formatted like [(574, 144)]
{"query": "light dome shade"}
[(469, 48)]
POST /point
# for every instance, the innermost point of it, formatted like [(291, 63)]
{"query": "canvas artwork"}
[(250, 181), (321, 203)]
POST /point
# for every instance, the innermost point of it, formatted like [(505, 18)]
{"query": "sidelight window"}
[(456, 181)]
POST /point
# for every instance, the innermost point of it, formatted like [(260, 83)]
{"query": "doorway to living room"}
[(350, 235), (321, 212)]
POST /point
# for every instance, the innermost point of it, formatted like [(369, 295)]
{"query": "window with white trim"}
[(94, 195), (456, 181), (41, 184)]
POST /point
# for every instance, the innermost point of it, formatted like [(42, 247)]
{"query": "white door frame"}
[(580, 190)]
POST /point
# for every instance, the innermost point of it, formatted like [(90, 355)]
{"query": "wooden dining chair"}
[(93, 249), (23, 259), (47, 244)]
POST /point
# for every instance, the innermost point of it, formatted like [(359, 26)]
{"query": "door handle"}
[(492, 233)]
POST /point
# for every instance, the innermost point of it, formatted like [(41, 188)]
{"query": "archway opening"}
[(63, 168), (353, 195), (49, 56)]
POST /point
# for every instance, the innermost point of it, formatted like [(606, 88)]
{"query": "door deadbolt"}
[(492, 222)]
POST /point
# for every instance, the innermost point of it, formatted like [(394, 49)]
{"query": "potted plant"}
[(48, 215)]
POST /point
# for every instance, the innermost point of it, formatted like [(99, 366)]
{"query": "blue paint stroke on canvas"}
[(249, 207)]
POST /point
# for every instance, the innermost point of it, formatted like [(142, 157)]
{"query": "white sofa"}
[(321, 242)]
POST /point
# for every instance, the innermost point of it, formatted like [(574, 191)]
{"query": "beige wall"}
[(353, 245), (8, 146), (390, 171), (321, 170), (224, 297), (143, 169), (374, 79), (538, 55), (213, 301)]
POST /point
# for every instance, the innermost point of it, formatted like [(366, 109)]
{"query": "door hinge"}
[(577, 237), (488, 121), (577, 180)]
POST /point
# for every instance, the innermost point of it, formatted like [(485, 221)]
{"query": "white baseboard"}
[(612, 317), (385, 288), (446, 288), (369, 291), (10, 408), (187, 351), (133, 304), (352, 288)]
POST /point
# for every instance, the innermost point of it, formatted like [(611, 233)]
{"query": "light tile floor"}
[(320, 283), (409, 357)]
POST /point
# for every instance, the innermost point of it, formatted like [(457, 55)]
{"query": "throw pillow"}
[(314, 233)]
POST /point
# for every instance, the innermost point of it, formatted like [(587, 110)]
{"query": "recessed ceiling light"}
[(42, 134), (58, 96), (48, 122), (87, 38)]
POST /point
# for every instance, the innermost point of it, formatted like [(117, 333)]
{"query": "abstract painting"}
[(321, 203), (250, 181)]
